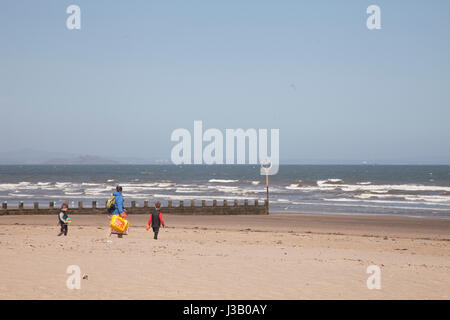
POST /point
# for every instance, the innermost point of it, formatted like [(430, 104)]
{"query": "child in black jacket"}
[(155, 220), (63, 219)]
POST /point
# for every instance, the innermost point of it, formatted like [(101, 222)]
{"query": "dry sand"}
[(280, 256)]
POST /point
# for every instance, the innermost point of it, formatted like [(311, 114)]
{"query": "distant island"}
[(83, 159), (37, 157)]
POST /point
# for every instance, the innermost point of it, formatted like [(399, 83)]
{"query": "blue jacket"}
[(119, 203)]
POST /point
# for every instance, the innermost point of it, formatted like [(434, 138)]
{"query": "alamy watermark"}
[(374, 280), (374, 20), (74, 20), (233, 150), (74, 280)]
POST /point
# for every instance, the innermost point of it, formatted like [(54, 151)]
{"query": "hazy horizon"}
[(22, 157)]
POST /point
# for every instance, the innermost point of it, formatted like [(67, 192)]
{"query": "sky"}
[(137, 70)]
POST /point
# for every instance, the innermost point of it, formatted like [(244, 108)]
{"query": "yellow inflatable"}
[(119, 224)]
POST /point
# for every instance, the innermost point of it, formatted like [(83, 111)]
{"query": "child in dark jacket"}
[(156, 220), (63, 219)]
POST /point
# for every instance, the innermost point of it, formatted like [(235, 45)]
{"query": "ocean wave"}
[(398, 201), (188, 190), (135, 187), (20, 185), (435, 199), (389, 187), (222, 181), (296, 186), (284, 201), (328, 181), (292, 192), (165, 184), (226, 188), (104, 191), (203, 197), (372, 206), (323, 185), (21, 195), (255, 191), (44, 183), (432, 198)]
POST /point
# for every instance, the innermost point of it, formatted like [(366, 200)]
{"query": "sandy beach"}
[(279, 256)]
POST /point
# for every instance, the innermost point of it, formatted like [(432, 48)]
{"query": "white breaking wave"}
[(226, 188), (43, 183), (222, 181), (388, 187), (409, 201), (203, 197), (434, 198), (371, 206), (324, 186), (165, 184), (20, 195), (322, 182), (20, 185), (139, 187), (295, 186), (188, 190), (98, 191)]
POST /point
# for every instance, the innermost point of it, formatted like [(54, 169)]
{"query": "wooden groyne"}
[(222, 208)]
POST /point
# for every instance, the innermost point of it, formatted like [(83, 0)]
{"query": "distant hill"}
[(35, 157), (30, 156), (83, 159)]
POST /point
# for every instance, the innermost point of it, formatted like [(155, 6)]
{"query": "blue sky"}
[(137, 70)]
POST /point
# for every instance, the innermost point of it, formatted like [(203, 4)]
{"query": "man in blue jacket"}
[(119, 209)]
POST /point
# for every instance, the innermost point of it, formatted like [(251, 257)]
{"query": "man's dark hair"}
[(119, 189), (158, 204)]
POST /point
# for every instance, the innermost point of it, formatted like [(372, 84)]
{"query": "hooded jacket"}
[(119, 203)]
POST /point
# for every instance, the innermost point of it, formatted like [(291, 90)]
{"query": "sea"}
[(406, 190)]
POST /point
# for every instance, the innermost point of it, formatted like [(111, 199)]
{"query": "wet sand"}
[(279, 256)]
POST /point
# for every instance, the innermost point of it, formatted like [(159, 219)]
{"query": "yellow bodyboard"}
[(119, 224)]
